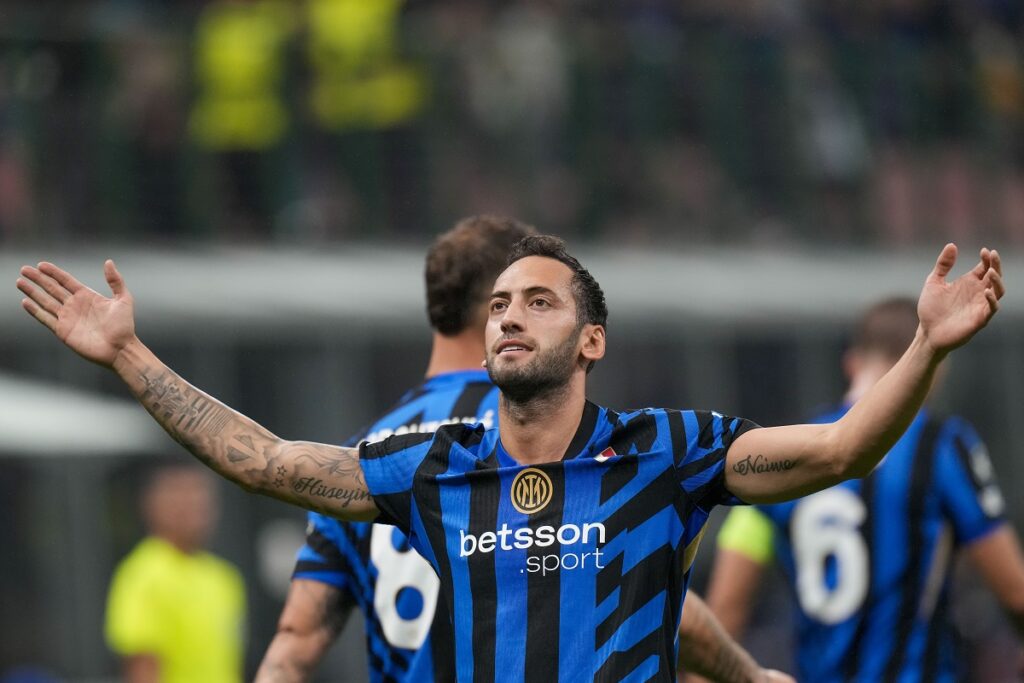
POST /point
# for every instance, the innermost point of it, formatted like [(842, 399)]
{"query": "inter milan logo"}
[(531, 491)]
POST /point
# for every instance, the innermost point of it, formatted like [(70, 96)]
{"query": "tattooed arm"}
[(315, 476), (707, 650), (780, 463), (314, 614)]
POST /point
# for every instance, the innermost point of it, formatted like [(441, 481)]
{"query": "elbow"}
[(839, 464)]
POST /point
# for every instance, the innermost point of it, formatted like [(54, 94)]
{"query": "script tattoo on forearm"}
[(334, 466), (323, 478), (758, 464)]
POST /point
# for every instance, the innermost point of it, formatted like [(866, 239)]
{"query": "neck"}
[(540, 429), (181, 544), (464, 351), (864, 379)]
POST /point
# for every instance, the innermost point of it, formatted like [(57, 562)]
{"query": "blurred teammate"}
[(562, 539), (869, 559), (372, 566), (175, 612)]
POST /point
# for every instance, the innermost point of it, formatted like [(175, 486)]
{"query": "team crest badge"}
[(531, 491)]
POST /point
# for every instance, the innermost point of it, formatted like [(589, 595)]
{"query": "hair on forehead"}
[(591, 307)]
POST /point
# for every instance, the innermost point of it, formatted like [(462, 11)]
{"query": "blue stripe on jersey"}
[(593, 556), (339, 554), (891, 626)]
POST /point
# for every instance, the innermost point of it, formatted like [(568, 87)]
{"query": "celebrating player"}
[(869, 559), (563, 538), (408, 630)]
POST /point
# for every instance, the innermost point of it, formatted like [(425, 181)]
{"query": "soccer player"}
[(562, 538), (175, 613), (343, 564), (869, 559)]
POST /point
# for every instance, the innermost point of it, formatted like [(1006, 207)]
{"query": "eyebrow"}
[(529, 291)]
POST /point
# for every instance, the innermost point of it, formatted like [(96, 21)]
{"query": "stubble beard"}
[(543, 379)]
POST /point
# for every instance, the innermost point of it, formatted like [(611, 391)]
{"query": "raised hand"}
[(92, 325), (952, 312)]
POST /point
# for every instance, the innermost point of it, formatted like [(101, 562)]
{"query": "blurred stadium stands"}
[(742, 177), (886, 122)]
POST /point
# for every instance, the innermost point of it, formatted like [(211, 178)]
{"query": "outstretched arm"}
[(313, 617), (781, 463), (707, 650), (316, 476)]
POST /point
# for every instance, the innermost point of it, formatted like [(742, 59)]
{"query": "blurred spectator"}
[(175, 612), (240, 112), (365, 97)]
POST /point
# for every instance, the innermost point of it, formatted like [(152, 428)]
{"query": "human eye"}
[(497, 305)]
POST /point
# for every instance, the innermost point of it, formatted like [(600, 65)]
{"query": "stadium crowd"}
[(887, 122)]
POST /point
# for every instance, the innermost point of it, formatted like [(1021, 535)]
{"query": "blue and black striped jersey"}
[(569, 570), (869, 558), (373, 564)]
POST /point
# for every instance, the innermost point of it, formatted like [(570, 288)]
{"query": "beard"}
[(547, 373)]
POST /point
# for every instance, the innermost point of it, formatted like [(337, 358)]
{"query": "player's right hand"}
[(94, 326)]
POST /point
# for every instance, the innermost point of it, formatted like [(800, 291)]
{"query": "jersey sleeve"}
[(327, 554), (749, 532), (390, 467), (133, 622), (970, 496), (701, 465)]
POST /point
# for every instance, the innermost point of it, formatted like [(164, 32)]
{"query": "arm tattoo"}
[(710, 652), (758, 464), (320, 477)]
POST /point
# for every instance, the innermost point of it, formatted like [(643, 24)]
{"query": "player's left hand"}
[(952, 312)]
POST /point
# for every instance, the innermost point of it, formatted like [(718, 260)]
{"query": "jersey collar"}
[(593, 426)]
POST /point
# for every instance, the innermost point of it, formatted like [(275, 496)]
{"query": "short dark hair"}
[(886, 327), (590, 304), (462, 265)]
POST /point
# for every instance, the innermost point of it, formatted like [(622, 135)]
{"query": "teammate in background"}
[(175, 613), (372, 566), (562, 539), (869, 559)]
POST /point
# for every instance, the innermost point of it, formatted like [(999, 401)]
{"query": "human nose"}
[(512, 319)]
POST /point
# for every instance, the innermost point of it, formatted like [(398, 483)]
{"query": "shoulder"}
[(467, 436)]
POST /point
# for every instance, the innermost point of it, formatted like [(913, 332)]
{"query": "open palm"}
[(94, 326), (952, 312)]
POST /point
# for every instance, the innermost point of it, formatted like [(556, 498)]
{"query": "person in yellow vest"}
[(175, 612)]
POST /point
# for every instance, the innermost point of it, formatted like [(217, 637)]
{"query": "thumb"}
[(945, 262), (114, 279)]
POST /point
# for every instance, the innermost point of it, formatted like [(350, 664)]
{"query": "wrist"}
[(922, 347), (128, 355)]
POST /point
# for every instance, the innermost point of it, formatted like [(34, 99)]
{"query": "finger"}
[(993, 302), (39, 314), (39, 297), (63, 277), (996, 262), (114, 279), (983, 264), (945, 262), (52, 287), (995, 282)]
